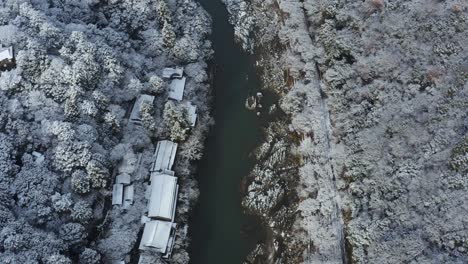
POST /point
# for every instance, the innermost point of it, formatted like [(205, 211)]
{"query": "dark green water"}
[(220, 232)]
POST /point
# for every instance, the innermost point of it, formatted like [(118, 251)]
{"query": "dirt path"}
[(336, 218)]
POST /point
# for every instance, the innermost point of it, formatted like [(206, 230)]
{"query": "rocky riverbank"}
[(375, 97)]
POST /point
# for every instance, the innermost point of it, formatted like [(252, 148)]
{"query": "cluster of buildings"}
[(175, 92), (159, 232), (123, 191), (162, 190)]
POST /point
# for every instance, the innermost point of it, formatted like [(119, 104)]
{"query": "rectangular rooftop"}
[(163, 197), (176, 72), (176, 89), (6, 54), (7, 58), (158, 236), (164, 155)]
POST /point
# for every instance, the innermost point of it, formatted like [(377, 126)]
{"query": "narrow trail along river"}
[(220, 232)]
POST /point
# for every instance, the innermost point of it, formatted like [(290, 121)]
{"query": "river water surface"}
[(220, 232)]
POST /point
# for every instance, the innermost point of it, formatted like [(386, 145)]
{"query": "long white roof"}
[(163, 197), (156, 235), (6, 53), (164, 155), (117, 194), (128, 194), (176, 89)]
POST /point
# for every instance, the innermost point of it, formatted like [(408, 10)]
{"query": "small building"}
[(176, 72), (38, 157), (158, 236), (7, 58), (135, 116), (128, 194), (176, 89), (192, 113), (163, 197), (164, 155), (123, 190), (123, 178), (117, 194)]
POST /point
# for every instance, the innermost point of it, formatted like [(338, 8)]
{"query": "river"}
[(220, 231)]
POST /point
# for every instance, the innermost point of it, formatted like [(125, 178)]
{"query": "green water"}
[(220, 232)]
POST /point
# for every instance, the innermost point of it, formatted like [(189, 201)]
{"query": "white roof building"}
[(158, 236), (176, 72), (117, 194), (123, 194), (164, 155), (128, 194), (192, 113), (38, 157), (6, 54), (123, 178), (176, 89), (163, 197), (135, 116)]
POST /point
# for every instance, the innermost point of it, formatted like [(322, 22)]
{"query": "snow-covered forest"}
[(80, 65), (370, 164)]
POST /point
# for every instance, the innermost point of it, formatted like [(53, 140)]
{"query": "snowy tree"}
[(98, 171), (185, 50), (168, 35), (155, 85), (58, 259), (88, 108), (72, 233), (89, 256), (32, 61), (63, 130), (72, 154), (61, 203), (71, 110), (164, 14), (38, 25), (135, 86), (33, 186), (175, 117), (54, 79), (100, 99), (10, 81), (7, 165), (112, 121), (192, 149), (147, 117), (82, 212), (80, 182)]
